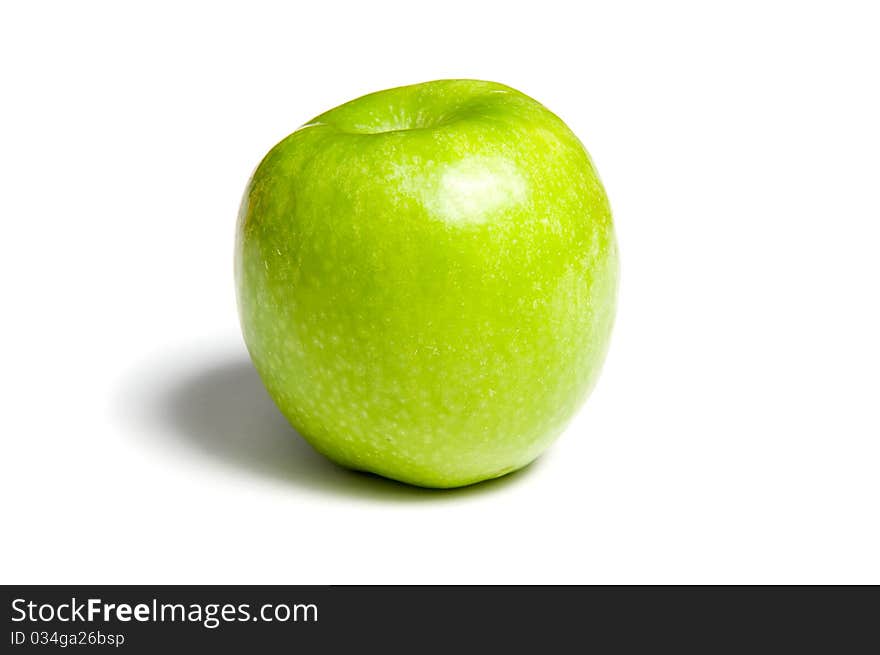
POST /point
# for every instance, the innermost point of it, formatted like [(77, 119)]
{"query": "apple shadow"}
[(222, 410)]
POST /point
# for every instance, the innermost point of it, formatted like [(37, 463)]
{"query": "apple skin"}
[(427, 280)]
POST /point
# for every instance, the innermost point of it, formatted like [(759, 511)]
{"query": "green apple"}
[(427, 279)]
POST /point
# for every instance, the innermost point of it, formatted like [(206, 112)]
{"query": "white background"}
[(733, 437)]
